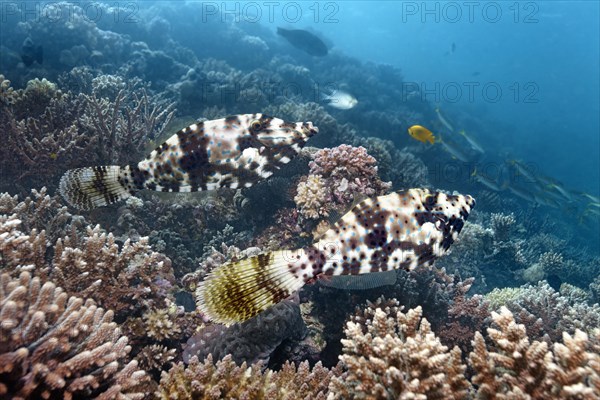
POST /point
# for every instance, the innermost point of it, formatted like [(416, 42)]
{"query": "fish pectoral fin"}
[(361, 282)]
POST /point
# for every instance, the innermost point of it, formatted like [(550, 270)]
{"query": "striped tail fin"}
[(91, 187), (242, 289)]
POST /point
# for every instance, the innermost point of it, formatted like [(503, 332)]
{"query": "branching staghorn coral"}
[(503, 225), (20, 252), (226, 380), (125, 123), (48, 131), (545, 311), (390, 354), (53, 346), (155, 357), (42, 212), (160, 324), (313, 198), (127, 280), (514, 367), (7, 94)]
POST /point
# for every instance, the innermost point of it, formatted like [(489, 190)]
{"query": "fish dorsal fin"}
[(360, 282)]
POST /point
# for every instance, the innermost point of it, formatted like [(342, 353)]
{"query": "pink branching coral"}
[(226, 380), (336, 177), (466, 315), (349, 171), (53, 346)]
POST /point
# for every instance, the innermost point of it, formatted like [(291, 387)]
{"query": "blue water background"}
[(544, 56)]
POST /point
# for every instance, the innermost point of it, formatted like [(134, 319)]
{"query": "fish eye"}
[(255, 125)]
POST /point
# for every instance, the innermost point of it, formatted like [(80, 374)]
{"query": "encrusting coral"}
[(250, 341), (53, 346)]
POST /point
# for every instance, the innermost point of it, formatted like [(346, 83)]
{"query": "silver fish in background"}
[(452, 148), (472, 142), (443, 119), (231, 152), (340, 100), (402, 230), (486, 180)]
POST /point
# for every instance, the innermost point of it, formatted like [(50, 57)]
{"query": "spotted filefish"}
[(231, 152), (405, 229)]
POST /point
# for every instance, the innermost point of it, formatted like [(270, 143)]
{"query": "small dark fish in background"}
[(30, 52), (304, 41)]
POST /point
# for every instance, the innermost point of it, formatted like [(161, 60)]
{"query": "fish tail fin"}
[(91, 187), (326, 96), (431, 139), (239, 290)]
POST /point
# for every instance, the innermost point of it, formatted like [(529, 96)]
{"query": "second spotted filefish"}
[(232, 152), (404, 229)]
